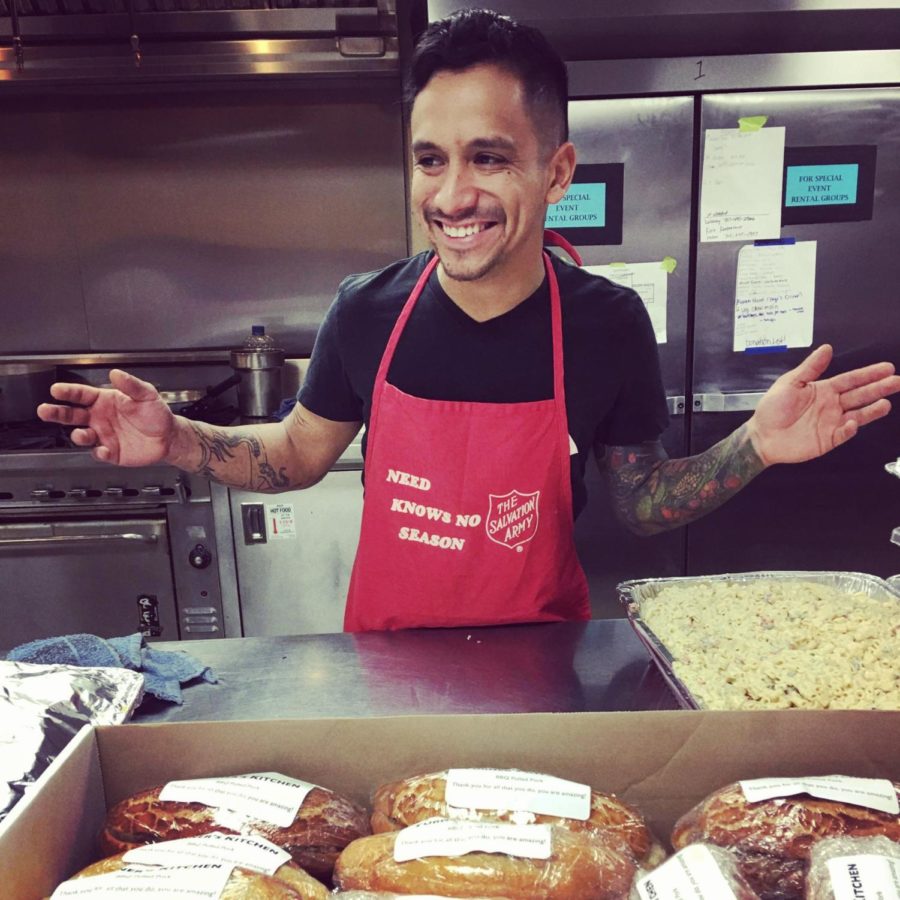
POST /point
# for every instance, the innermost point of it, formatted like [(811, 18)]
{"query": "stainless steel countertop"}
[(568, 667)]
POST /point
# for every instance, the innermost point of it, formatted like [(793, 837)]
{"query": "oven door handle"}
[(73, 538)]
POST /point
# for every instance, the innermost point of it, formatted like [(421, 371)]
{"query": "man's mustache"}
[(491, 214)]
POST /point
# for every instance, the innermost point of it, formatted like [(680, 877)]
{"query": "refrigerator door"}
[(837, 512), (653, 138)]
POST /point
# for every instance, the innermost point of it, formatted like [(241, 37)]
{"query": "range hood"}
[(76, 40), (643, 29)]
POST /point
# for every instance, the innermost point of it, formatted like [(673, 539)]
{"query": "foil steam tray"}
[(632, 593)]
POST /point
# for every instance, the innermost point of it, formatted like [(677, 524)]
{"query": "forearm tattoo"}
[(227, 452), (652, 493)]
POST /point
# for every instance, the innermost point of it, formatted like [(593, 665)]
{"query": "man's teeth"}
[(464, 231)]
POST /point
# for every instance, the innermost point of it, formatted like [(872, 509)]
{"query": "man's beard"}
[(462, 267)]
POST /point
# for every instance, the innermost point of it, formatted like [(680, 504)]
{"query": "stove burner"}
[(33, 435)]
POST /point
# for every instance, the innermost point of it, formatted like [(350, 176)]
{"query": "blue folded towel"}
[(164, 671)]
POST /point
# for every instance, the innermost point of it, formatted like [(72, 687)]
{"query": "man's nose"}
[(457, 191)]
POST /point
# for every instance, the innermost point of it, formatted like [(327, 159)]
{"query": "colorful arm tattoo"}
[(223, 456), (652, 493)]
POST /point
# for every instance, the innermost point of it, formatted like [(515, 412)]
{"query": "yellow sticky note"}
[(752, 123)]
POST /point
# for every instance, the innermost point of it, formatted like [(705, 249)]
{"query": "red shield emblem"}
[(512, 519)]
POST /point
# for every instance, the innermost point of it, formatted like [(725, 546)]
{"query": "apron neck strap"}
[(552, 239)]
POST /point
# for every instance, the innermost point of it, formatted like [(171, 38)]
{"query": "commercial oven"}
[(87, 547)]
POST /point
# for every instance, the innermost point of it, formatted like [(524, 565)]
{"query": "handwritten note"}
[(740, 193), (775, 296), (649, 281)]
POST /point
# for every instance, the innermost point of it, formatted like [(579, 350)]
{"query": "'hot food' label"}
[(864, 877), (248, 851), (692, 874), (509, 789), (267, 796), (444, 837), (872, 793), (203, 882)]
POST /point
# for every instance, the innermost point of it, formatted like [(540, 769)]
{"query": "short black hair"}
[(471, 37)]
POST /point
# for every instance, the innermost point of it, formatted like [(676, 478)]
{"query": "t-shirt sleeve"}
[(326, 390), (640, 412)]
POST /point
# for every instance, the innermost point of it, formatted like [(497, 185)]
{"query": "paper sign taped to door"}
[(281, 521), (649, 280), (740, 193), (775, 296)]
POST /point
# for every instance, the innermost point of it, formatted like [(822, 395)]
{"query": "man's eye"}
[(428, 162), (489, 159)]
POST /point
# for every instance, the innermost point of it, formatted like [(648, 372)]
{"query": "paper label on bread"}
[(863, 876), (267, 796), (871, 793), (245, 850), (510, 789), (692, 874), (203, 882), (447, 837)]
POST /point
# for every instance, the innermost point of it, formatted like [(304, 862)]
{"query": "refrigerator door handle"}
[(737, 402), (676, 405)]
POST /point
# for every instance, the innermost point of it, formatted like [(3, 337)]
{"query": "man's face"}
[(480, 179)]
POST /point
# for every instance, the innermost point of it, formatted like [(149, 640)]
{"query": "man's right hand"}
[(128, 424)]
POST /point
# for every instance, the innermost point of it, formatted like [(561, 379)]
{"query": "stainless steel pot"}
[(259, 390), (22, 387)]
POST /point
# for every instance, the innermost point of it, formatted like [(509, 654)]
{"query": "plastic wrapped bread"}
[(410, 800), (389, 895), (324, 824), (288, 882), (580, 866), (699, 871), (771, 839), (854, 866)]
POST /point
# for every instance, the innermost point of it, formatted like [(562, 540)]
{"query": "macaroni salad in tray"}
[(775, 644)]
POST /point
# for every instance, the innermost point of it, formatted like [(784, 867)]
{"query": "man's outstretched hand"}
[(128, 424), (801, 417)]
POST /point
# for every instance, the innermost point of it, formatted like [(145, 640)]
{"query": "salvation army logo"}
[(512, 519)]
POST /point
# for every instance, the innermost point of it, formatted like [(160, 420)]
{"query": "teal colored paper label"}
[(821, 185), (584, 206)]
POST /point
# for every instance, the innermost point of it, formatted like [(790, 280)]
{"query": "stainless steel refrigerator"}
[(834, 513), (652, 138)]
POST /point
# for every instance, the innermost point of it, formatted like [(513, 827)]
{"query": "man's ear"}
[(561, 169)]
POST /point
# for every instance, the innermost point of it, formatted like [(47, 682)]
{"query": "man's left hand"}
[(800, 418)]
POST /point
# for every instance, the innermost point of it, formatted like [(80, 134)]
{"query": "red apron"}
[(467, 517)]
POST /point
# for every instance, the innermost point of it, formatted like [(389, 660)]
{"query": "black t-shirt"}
[(614, 393)]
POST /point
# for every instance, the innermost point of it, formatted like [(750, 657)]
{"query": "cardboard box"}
[(663, 762)]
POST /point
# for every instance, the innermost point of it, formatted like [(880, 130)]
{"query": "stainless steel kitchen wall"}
[(653, 138), (174, 217)]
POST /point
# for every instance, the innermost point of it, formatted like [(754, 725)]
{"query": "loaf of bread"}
[(580, 867), (390, 895), (771, 839), (403, 803), (324, 825), (870, 866), (698, 869), (289, 882)]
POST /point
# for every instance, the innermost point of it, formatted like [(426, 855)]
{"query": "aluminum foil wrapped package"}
[(842, 867), (43, 707)]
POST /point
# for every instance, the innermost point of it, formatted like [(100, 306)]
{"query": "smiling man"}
[(485, 371)]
